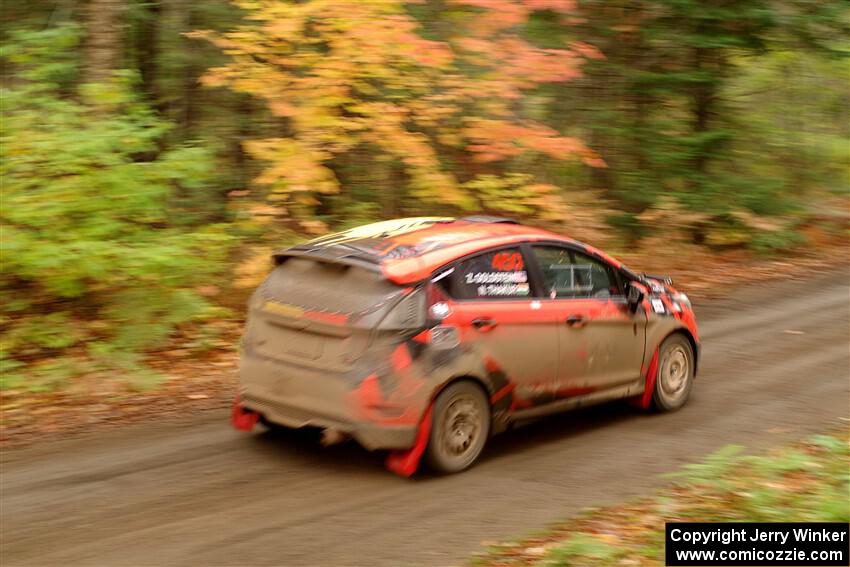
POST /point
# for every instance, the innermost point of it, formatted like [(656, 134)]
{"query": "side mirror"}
[(634, 296)]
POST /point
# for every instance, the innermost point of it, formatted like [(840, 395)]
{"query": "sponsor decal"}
[(507, 261), (283, 309), (657, 305)]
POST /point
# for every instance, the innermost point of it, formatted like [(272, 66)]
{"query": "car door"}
[(600, 341), (498, 315)]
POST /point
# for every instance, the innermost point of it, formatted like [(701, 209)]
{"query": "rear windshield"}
[(326, 286)]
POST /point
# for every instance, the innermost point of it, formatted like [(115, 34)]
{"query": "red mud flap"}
[(242, 419), (405, 463), (645, 399)]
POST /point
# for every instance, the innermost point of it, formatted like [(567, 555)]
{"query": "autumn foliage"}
[(135, 198), (443, 114)]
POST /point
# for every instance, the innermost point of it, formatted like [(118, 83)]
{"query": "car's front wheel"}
[(460, 427), (675, 374)]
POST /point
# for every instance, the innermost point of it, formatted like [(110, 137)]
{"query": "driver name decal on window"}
[(496, 277), (499, 283), (498, 274)]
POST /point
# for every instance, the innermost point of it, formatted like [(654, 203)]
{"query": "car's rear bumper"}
[(370, 435), (348, 403)]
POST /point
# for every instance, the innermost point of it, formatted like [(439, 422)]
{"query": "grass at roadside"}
[(806, 481)]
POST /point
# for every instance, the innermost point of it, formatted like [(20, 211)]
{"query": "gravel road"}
[(776, 366)]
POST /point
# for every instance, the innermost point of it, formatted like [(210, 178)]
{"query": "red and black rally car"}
[(426, 336)]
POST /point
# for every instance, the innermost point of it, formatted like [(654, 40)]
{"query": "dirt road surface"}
[(776, 366)]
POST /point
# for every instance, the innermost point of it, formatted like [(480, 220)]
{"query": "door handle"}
[(576, 321), (484, 324)]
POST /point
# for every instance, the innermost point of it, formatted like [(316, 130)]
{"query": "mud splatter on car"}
[(425, 336)]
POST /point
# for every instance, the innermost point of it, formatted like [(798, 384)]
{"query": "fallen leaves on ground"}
[(806, 481)]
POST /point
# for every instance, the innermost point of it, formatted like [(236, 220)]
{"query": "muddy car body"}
[(431, 334)]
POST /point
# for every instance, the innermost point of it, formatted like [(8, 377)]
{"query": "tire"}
[(460, 428), (674, 376)]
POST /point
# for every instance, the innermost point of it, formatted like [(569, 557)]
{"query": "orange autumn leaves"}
[(348, 75)]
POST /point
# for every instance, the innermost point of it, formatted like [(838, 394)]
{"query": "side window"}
[(499, 274), (570, 274)]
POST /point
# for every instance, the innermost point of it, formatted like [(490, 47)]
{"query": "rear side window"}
[(571, 274), (499, 274)]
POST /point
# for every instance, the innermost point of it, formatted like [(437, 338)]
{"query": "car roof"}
[(408, 250)]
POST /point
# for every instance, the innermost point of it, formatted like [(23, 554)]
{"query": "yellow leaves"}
[(281, 107), (515, 193), (250, 272), (441, 187), (264, 213), (284, 28), (495, 140), (316, 227), (295, 167), (353, 74), (305, 199)]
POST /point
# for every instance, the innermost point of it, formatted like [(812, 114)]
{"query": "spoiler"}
[(324, 255)]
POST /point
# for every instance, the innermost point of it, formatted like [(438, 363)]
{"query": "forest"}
[(154, 152)]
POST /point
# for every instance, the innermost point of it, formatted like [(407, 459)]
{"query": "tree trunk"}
[(104, 35), (147, 47), (703, 108)]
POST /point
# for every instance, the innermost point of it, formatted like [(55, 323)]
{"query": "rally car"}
[(425, 336)]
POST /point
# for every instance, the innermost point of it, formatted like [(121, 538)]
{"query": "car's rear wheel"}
[(460, 427), (675, 374)]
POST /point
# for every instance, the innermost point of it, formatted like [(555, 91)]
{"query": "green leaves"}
[(92, 236), (45, 57), (804, 482)]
